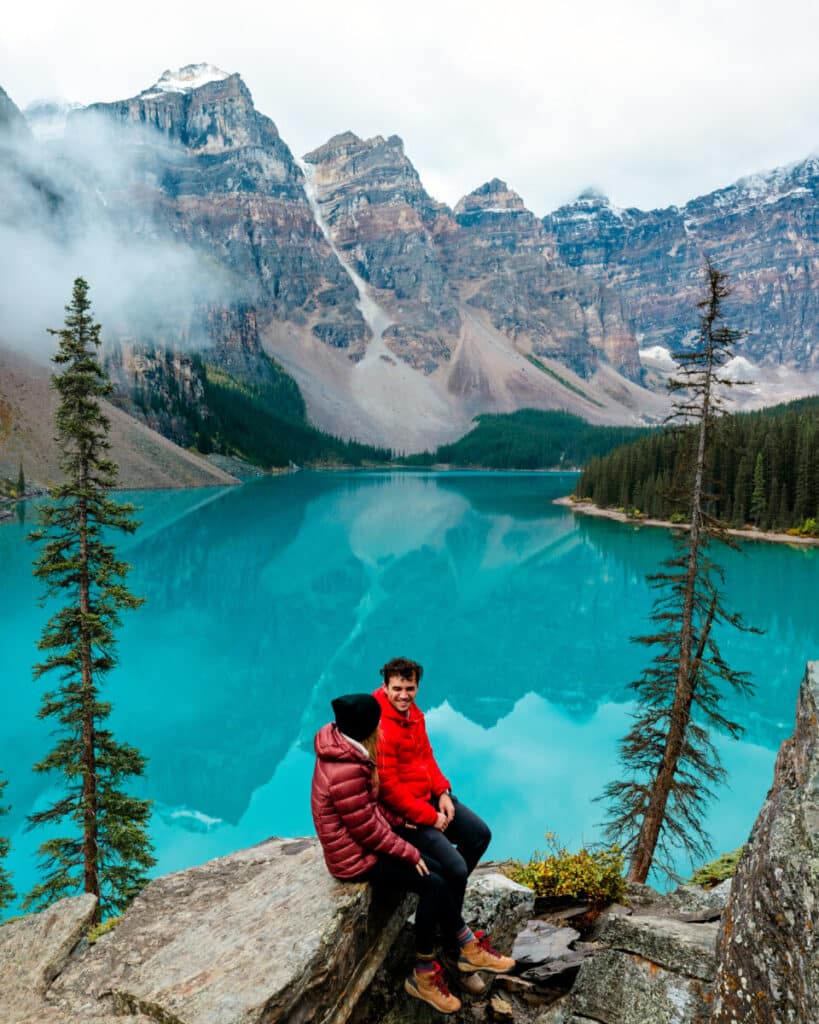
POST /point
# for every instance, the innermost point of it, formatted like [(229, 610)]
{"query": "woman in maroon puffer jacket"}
[(359, 843)]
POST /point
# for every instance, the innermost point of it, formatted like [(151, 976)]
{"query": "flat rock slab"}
[(541, 941), (688, 949), (33, 951), (262, 936), (625, 988)]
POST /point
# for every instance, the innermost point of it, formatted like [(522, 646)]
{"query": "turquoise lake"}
[(267, 600)]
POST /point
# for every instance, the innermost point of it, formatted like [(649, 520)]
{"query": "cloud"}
[(57, 223)]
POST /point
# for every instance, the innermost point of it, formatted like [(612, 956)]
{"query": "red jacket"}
[(351, 826), (407, 770)]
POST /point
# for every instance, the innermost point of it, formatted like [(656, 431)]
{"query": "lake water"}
[(265, 601)]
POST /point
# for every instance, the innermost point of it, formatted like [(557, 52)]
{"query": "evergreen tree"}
[(103, 845), (670, 760), (7, 892), (21, 481), (758, 503)]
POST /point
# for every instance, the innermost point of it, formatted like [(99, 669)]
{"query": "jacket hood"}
[(388, 711), (330, 745)]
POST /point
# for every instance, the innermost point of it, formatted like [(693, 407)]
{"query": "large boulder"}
[(262, 936), (768, 951), (33, 951), (656, 970)]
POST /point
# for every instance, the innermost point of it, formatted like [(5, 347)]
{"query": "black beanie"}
[(357, 714)]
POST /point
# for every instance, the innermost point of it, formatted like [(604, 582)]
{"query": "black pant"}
[(435, 905), (457, 850)]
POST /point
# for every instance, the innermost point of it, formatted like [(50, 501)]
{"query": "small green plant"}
[(592, 875), (676, 518), (99, 930), (718, 870), (808, 528)]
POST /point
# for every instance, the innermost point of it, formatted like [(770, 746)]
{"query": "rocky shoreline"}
[(590, 509)]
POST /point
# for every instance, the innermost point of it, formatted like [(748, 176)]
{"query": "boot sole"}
[(417, 994), (472, 969)]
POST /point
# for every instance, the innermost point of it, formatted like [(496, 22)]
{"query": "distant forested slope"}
[(529, 439), (765, 466)]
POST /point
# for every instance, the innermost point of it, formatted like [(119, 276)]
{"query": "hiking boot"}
[(478, 955), (431, 988), (471, 983)]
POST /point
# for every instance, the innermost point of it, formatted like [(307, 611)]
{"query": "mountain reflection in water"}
[(265, 601)]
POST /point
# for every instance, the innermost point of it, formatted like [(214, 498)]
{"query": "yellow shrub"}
[(593, 876)]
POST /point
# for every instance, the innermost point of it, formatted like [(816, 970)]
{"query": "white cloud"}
[(652, 103)]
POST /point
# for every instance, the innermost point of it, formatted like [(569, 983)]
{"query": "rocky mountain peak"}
[(186, 79), (494, 196)]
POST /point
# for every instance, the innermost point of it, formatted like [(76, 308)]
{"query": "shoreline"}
[(590, 509)]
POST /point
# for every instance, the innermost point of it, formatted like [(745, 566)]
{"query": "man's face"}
[(401, 692)]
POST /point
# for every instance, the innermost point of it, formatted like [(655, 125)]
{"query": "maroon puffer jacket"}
[(351, 826)]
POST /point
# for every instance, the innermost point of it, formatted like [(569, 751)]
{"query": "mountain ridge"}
[(402, 318)]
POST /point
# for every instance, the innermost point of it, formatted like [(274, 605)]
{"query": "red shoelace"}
[(437, 978), (483, 942)]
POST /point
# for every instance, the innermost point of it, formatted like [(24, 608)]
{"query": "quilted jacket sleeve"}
[(395, 792), (438, 782), (351, 793)]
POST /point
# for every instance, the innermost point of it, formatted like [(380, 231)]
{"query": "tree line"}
[(763, 467), (528, 439)]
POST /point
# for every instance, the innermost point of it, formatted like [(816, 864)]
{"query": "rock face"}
[(215, 943), (656, 970), (762, 231), (33, 951), (769, 957), (263, 936), (511, 268), (228, 185)]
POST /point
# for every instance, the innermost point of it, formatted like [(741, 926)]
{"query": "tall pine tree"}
[(670, 760), (102, 844), (7, 892)]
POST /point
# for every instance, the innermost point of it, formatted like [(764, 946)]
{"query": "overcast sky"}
[(652, 102)]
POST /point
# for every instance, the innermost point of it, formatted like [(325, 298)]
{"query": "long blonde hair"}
[(370, 744)]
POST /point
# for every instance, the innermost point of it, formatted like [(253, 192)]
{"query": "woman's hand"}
[(421, 867), (441, 822)]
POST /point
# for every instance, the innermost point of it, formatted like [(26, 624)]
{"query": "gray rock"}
[(264, 934), (677, 945), (697, 899), (768, 952), (624, 988), (497, 904), (540, 941), (33, 951), (658, 970)]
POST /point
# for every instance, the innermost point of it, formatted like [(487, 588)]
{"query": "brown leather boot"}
[(478, 955), (431, 987)]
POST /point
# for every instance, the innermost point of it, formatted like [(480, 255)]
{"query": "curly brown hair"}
[(406, 668)]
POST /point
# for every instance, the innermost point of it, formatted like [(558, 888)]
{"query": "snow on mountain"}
[(192, 76)]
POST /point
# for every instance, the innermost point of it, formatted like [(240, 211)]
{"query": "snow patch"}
[(657, 356), (192, 76)]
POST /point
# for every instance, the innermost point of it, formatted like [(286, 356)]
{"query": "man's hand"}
[(441, 822), (421, 867), (446, 806)]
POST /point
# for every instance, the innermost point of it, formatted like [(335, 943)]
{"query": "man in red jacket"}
[(414, 787)]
